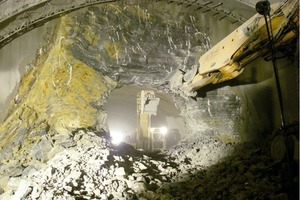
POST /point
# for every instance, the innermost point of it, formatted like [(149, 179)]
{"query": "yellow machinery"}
[(158, 138), (272, 27), (226, 60), (147, 105)]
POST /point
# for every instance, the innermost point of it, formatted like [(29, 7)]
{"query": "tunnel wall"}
[(257, 88), (21, 51), (16, 58), (237, 106)]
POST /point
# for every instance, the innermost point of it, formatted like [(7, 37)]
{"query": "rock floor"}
[(200, 167)]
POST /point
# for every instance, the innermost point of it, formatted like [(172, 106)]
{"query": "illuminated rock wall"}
[(140, 44), (59, 94), (91, 52)]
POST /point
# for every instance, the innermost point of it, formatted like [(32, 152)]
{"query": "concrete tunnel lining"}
[(214, 123)]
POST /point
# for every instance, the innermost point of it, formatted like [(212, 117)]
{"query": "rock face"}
[(138, 44), (58, 95), (218, 113), (89, 54), (142, 44)]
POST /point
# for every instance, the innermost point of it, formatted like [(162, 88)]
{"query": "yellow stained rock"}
[(59, 91)]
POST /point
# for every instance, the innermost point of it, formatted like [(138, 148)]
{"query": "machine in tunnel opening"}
[(122, 116)]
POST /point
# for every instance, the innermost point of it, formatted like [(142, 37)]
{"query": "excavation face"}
[(55, 133)]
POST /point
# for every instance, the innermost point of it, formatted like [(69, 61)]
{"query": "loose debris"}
[(92, 168)]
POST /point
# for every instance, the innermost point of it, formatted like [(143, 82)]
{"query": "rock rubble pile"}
[(198, 151), (197, 168), (92, 168)]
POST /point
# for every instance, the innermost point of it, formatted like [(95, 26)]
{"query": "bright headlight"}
[(163, 130), (116, 137)]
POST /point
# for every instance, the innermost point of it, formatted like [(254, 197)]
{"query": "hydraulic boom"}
[(227, 59)]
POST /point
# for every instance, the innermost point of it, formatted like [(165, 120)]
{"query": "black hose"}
[(263, 8)]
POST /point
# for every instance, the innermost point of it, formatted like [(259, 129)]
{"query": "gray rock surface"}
[(200, 167)]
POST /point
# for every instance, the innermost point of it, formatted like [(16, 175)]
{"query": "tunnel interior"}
[(72, 82), (121, 108)]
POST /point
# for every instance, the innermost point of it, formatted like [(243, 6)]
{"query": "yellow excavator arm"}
[(226, 59)]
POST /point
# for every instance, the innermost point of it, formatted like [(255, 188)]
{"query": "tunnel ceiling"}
[(17, 17)]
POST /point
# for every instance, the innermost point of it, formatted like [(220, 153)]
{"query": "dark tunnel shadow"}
[(248, 173), (202, 93)]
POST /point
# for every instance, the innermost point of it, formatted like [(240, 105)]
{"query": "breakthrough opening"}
[(123, 122)]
